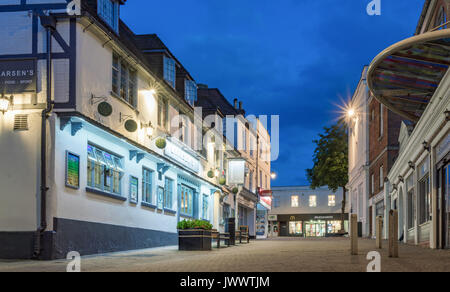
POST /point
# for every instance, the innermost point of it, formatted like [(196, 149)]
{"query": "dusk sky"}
[(293, 58)]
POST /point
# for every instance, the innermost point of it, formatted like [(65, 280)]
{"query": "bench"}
[(220, 236)]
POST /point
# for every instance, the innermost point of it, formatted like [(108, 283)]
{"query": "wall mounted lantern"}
[(273, 175), (5, 102), (426, 146), (412, 165), (149, 129)]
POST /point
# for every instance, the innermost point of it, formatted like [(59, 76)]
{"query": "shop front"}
[(443, 168), (324, 225)]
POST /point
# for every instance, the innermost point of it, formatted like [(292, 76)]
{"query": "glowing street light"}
[(273, 175), (351, 113)]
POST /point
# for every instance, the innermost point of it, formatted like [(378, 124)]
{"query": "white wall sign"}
[(182, 157), (236, 171)]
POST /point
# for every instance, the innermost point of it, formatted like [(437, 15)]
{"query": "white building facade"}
[(121, 164), (358, 185)]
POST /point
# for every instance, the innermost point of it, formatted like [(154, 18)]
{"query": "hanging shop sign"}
[(236, 171), (180, 156), (72, 170), (18, 76), (266, 201)]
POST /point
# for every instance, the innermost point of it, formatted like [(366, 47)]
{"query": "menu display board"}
[(72, 170), (134, 189)]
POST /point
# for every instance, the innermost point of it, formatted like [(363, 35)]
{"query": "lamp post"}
[(273, 175)]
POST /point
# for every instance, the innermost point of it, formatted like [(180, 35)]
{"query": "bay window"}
[(105, 171)]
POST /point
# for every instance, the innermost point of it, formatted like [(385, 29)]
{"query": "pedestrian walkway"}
[(274, 255)]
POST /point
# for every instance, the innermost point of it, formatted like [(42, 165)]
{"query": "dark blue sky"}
[(293, 58)]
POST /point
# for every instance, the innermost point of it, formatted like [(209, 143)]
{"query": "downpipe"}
[(49, 23)]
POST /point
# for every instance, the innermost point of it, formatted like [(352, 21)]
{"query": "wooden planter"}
[(194, 239)]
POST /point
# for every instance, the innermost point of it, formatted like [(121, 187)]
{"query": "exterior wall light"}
[(400, 179), (447, 115), (412, 165), (149, 129), (426, 146), (4, 103)]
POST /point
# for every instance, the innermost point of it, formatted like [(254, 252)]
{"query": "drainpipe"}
[(49, 23)]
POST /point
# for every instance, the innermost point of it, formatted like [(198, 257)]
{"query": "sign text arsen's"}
[(17, 76)]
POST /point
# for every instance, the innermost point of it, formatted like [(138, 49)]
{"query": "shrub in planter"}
[(161, 143), (222, 181), (194, 235)]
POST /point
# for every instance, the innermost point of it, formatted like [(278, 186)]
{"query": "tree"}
[(331, 162)]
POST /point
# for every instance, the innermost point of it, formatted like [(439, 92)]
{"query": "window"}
[(168, 193), (333, 227), (381, 177), (205, 207), (226, 213), (169, 71), (251, 181), (186, 201), (244, 139), (160, 198), (312, 201), (331, 201), (124, 81), (424, 200), (381, 120), (105, 171), (162, 113), (147, 180), (294, 202), (109, 12), (190, 89), (411, 210), (295, 228)]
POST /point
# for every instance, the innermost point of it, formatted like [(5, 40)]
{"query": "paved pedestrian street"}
[(275, 255)]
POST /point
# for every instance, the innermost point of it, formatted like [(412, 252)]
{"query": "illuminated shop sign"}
[(179, 155), (72, 170), (17, 76)]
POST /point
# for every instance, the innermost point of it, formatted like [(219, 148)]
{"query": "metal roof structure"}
[(405, 76)]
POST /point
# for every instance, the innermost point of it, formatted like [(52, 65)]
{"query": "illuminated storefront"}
[(306, 225)]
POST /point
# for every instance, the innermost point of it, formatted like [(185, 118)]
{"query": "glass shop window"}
[(105, 170)]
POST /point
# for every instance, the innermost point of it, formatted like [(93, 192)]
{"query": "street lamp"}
[(4, 104), (273, 175), (351, 113)]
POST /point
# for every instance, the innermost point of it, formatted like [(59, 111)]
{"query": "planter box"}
[(194, 239)]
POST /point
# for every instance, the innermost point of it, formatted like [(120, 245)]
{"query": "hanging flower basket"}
[(222, 180), (235, 190), (210, 174), (161, 143)]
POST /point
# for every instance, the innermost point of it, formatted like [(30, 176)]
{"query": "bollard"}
[(379, 232), (354, 234), (393, 234)]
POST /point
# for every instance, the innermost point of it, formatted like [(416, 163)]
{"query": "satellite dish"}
[(131, 126), (105, 109)]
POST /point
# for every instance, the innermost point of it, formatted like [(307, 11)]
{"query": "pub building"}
[(97, 136), (303, 212), (411, 78)]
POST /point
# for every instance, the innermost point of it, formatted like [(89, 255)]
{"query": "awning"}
[(405, 76)]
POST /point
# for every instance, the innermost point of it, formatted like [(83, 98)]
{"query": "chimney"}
[(235, 103), (240, 105)]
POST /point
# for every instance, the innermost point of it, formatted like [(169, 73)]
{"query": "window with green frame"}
[(186, 201), (168, 193), (147, 181), (105, 170)]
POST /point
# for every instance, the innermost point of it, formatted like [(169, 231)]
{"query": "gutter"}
[(49, 23)]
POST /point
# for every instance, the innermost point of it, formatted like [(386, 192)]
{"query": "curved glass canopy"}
[(405, 76)]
